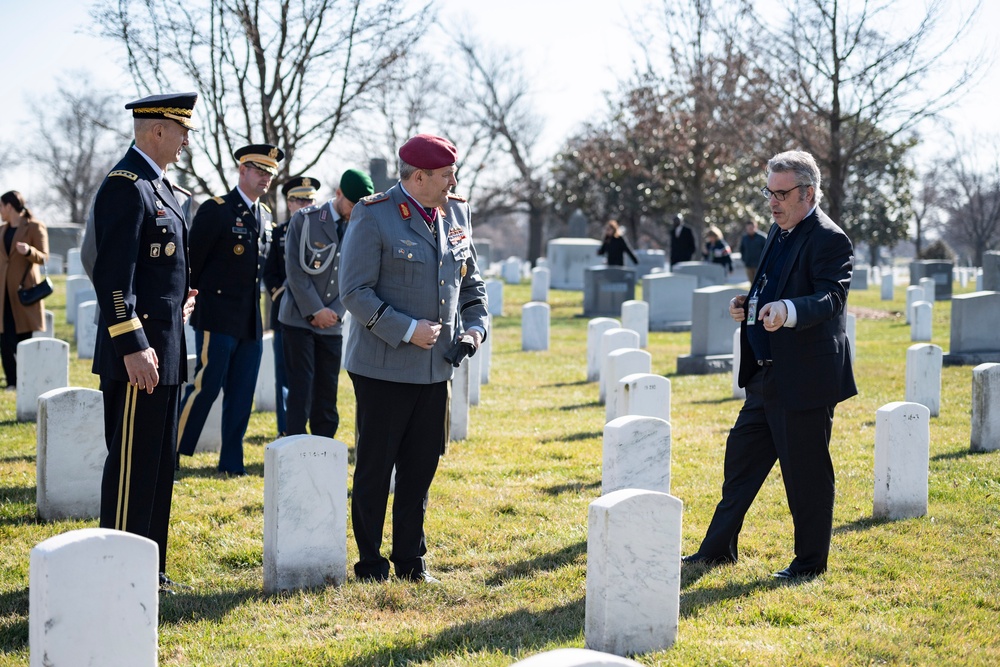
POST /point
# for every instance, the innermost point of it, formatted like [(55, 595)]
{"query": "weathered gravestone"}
[(617, 365), (859, 278), (650, 261), (937, 270), (929, 287), (86, 329), (887, 286), (636, 455), (923, 376), (535, 326), (985, 408), (644, 395), (595, 330), (635, 316), (494, 297), (611, 340), (707, 273), (74, 285), (711, 332), (93, 600), (670, 298), (458, 408), (902, 458), (605, 289), (305, 513), (50, 326), (541, 276), (913, 294), (575, 657), (975, 329), (263, 393), (922, 321), (568, 258), (70, 454), (633, 572), (44, 365)]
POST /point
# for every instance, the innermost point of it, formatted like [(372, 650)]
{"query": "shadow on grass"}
[(959, 454), (14, 629), (584, 435), (578, 383), (579, 406), (212, 472), (191, 605), (858, 525), (691, 602), (519, 631), (24, 496), (717, 401), (544, 563), (18, 458), (572, 487)]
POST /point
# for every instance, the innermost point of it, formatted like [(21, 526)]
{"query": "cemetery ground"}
[(507, 530)]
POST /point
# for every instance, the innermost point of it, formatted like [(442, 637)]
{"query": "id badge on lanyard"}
[(752, 302)]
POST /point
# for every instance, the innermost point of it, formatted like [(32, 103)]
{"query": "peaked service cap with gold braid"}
[(300, 187), (178, 107), (263, 156)]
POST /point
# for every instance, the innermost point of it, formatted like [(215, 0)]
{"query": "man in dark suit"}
[(140, 275), (408, 274), (229, 237), (682, 244), (795, 365), (300, 193)]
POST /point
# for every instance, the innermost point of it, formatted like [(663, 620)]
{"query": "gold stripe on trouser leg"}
[(125, 474), (194, 393)]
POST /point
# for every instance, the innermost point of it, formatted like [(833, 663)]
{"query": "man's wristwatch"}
[(310, 318)]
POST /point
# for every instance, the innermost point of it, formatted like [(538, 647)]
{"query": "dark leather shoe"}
[(169, 586), (372, 578), (696, 558), (788, 573), (421, 577)]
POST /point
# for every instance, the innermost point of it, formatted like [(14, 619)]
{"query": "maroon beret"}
[(425, 151)]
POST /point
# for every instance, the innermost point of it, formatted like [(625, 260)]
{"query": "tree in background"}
[(285, 72), (971, 197), (80, 135), (850, 78)]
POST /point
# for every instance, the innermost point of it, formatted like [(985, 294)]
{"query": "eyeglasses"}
[(779, 194)]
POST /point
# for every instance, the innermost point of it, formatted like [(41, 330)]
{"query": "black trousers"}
[(401, 425), (8, 343), (312, 367), (800, 441), (140, 431)]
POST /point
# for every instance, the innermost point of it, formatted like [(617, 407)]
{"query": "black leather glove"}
[(463, 347)]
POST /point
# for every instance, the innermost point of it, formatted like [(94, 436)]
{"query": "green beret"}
[(356, 184)]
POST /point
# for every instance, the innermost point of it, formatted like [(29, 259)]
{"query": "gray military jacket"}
[(393, 271), (312, 264)]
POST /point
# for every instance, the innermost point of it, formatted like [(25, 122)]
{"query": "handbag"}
[(37, 292)]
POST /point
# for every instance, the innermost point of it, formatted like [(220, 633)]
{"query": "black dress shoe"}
[(420, 577), (788, 573), (169, 586)]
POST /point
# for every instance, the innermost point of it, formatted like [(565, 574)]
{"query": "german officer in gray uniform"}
[(311, 311), (140, 275), (229, 237), (408, 276)]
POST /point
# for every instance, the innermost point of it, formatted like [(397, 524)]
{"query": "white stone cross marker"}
[(902, 457), (44, 365), (71, 450), (595, 330), (633, 572), (985, 408), (305, 513), (923, 376), (93, 600), (535, 326), (636, 455), (635, 316)]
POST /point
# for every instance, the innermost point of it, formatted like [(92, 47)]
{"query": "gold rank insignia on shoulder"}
[(404, 211), (218, 200), (127, 174), (239, 249), (154, 249), (170, 249), (375, 198)]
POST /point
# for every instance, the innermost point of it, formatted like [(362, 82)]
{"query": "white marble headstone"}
[(86, 329), (644, 395), (210, 439), (475, 376), (459, 407), (921, 321), (541, 276), (923, 376), (305, 513), (670, 298), (711, 324), (494, 297), (70, 454), (535, 326), (617, 365), (595, 330), (852, 330), (635, 316), (50, 326), (611, 340), (887, 286), (75, 284), (74, 266), (913, 294), (43, 365), (985, 408), (636, 455), (929, 287), (633, 572), (486, 354), (93, 600), (902, 459), (263, 393)]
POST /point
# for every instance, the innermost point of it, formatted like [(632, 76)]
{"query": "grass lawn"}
[(507, 530)]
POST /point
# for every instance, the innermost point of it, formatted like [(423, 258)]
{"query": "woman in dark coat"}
[(615, 246)]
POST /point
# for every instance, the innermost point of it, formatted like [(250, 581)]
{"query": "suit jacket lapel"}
[(802, 230)]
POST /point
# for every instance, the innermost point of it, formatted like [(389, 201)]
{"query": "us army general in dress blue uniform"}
[(140, 276), (410, 280), (228, 245)]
